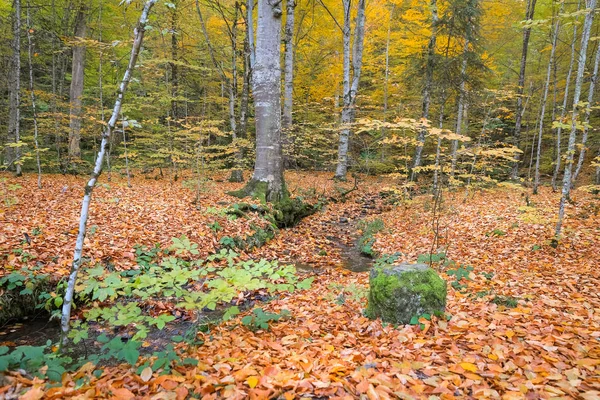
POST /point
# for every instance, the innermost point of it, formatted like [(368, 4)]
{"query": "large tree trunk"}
[(350, 89), (566, 189), (427, 87), (77, 75), (14, 107), (267, 182), (588, 110), (520, 89), (106, 134), (563, 111), (555, 33)]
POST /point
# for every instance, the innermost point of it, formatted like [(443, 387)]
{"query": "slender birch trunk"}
[(567, 177), (520, 89), (107, 131), (461, 108), (438, 148), (14, 104), (77, 78), (32, 93), (350, 89), (427, 88), (588, 110), (563, 111), (555, 33)]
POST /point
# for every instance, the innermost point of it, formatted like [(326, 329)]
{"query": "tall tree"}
[(106, 134), (30, 31), (555, 33), (350, 88), (567, 177), (288, 69), (563, 111), (77, 78), (267, 181), (520, 89), (14, 104), (427, 87), (588, 110)]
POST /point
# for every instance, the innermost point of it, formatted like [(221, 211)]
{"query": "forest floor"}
[(524, 324)]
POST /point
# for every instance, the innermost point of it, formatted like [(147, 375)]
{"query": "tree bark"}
[(14, 105), (520, 89), (350, 89), (77, 77), (555, 33), (566, 189), (429, 68), (563, 111), (267, 182), (588, 110), (32, 93), (107, 132), (461, 108), (288, 66)]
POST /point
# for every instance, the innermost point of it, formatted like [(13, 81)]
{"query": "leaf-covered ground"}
[(548, 346)]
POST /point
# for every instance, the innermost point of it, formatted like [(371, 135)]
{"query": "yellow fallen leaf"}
[(469, 366), (252, 381)]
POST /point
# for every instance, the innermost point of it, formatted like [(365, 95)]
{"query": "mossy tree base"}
[(399, 292), (262, 190)]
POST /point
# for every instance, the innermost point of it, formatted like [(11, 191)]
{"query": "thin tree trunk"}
[(555, 33), (520, 89), (107, 131), (173, 64), (14, 112), (438, 148), (350, 89), (586, 122), (563, 111), (77, 77), (123, 123), (566, 189), (288, 67), (267, 182), (427, 88), (31, 90), (250, 34), (461, 108)]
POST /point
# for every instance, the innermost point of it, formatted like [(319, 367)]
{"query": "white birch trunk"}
[(586, 121), (107, 131), (350, 89), (461, 108), (566, 189), (563, 111), (555, 33)]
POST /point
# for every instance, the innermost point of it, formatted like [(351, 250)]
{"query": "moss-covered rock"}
[(15, 305), (399, 292)]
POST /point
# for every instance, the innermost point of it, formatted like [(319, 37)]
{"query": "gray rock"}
[(399, 292)]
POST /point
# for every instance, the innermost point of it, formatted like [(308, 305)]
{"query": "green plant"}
[(367, 239), (496, 232), (117, 349), (435, 258), (215, 226), (183, 246), (506, 301), (459, 274), (39, 361), (259, 319)]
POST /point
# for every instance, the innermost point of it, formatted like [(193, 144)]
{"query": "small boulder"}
[(399, 292)]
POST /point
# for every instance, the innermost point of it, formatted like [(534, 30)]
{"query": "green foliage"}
[(118, 349), (367, 239), (496, 232), (259, 319), (39, 361), (436, 258), (459, 274), (215, 226), (506, 301), (183, 246)]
